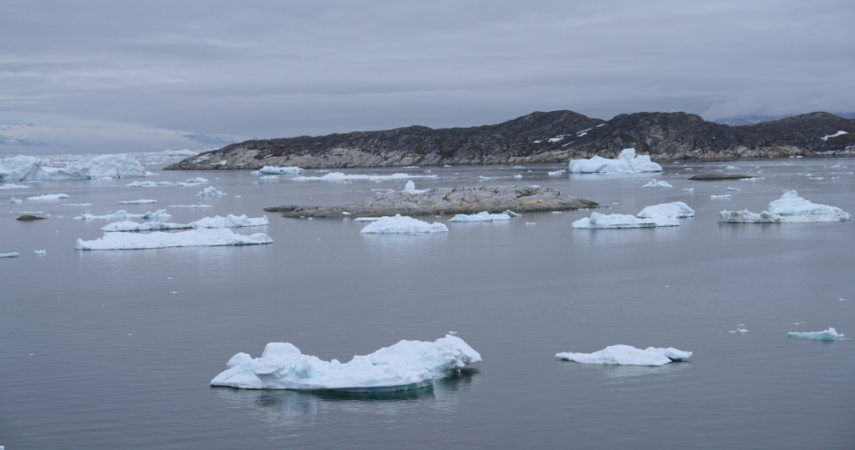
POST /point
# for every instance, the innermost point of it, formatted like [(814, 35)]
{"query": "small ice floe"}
[(210, 191), (446, 166), (511, 213), (828, 335), (688, 168), (720, 197), (338, 177), (230, 221), (627, 162), (739, 330), (530, 223), (405, 365), (518, 177), (203, 237), (799, 156), (48, 197), (345, 213), (13, 186), (628, 356), (402, 225), (410, 188), (193, 181), (556, 173), (667, 210), (746, 216), (190, 206), (839, 133), (121, 214), (730, 168), (732, 189), (483, 216), (39, 252), (365, 219), (689, 190), (483, 178), (519, 167), (67, 205), (287, 170), (657, 184), (9, 255), (139, 184), (618, 221), (15, 201), (557, 212), (141, 201), (269, 177)]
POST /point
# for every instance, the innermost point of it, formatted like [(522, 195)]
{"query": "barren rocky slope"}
[(552, 137)]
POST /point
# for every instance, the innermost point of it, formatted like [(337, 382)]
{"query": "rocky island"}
[(543, 137), (461, 200)]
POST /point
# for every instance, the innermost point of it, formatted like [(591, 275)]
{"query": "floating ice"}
[(121, 214), (136, 184), (657, 184), (739, 330), (667, 210), (483, 178), (67, 205), (29, 168), (828, 335), (790, 204), (556, 173), (9, 255), (615, 221), (627, 162), (402, 225), (190, 206), (210, 191), (203, 237), (720, 197), (732, 189), (410, 188), (288, 170), (230, 221), (269, 177), (137, 202), (405, 365), (338, 177), (365, 219), (746, 216), (483, 216), (49, 197), (39, 252), (15, 201), (688, 189), (511, 213), (730, 168), (530, 223), (628, 356), (193, 181), (13, 186), (518, 177)]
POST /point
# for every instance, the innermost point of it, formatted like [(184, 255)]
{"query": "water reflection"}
[(615, 372)]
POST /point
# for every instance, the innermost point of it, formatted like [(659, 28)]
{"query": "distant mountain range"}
[(751, 120), (544, 137)]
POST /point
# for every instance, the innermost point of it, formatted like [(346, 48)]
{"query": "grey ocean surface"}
[(116, 349)]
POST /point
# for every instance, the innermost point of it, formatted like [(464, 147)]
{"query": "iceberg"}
[(9, 255), (281, 170), (203, 237), (210, 191), (615, 221), (40, 252), (410, 188), (828, 335), (790, 204), (68, 205), (21, 168), (628, 356), (402, 366), (103, 166), (657, 184), (13, 186), (49, 197), (15, 201), (627, 162), (136, 184), (732, 188), (674, 209), (746, 216), (402, 225), (483, 216), (338, 177), (366, 219), (269, 177), (720, 197), (230, 221), (688, 189), (128, 225), (121, 214), (555, 174), (511, 213), (137, 202), (193, 181)]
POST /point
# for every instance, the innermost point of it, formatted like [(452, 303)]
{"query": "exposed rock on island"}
[(543, 137), (461, 200)]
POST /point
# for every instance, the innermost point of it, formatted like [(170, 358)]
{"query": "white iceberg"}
[(136, 184), (269, 177), (555, 174), (688, 189), (410, 188), (69, 205), (30, 168), (828, 335), (338, 177), (402, 225), (518, 177), (137, 202), (483, 216), (739, 330), (365, 219), (405, 365), (616, 221), (628, 356), (732, 188), (121, 214), (627, 162), (40, 252), (511, 213), (9, 255), (230, 221), (203, 237), (128, 225), (289, 170), (15, 201), (49, 197), (13, 186), (720, 197), (674, 209), (790, 206), (483, 178), (657, 184), (746, 216), (210, 191), (193, 181)]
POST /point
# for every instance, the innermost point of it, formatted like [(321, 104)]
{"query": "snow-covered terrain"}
[(203, 237), (402, 225), (628, 356), (627, 162), (405, 365)]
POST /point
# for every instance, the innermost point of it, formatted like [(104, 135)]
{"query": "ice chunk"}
[(127, 225), (210, 191), (15, 201), (288, 170), (627, 162), (483, 216), (720, 197), (193, 181), (674, 209), (628, 356), (49, 197), (190, 206), (511, 213), (13, 186), (657, 184), (732, 189), (9, 255), (269, 177), (790, 204), (137, 202), (688, 189), (203, 237), (746, 216), (410, 188), (67, 205), (230, 221), (402, 225), (338, 177), (121, 214), (405, 365), (556, 173), (530, 223), (739, 330), (483, 178), (730, 168), (828, 335), (518, 177), (615, 221), (39, 252), (136, 184)]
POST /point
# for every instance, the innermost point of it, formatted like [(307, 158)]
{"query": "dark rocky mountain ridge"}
[(543, 137)]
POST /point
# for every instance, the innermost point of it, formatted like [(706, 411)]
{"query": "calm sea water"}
[(116, 349)]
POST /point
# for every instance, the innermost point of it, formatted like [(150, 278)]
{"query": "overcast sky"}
[(145, 76)]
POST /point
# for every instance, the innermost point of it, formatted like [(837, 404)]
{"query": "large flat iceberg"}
[(405, 365), (402, 225), (230, 221), (828, 335), (289, 170), (9, 255), (121, 214), (627, 162), (203, 237), (30, 168), (136, 184), (13, 186), (628, 356), (789, 208), (49, 197), (483, 216), (616, 221), (338, 177), (674, 209)]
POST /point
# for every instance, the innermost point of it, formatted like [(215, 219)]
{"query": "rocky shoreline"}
[(461, 200), (552, 137)]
